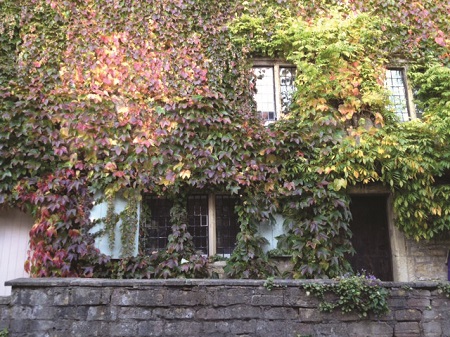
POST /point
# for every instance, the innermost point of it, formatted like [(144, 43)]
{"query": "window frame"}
[(276, 65), (410, 106), (211, 220)]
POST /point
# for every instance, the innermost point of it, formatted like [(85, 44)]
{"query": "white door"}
[(14, 237)]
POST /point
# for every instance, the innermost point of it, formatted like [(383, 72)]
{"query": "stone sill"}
[(139, 283)]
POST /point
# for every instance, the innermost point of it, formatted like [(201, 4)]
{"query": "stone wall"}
[(428, 259), (98, 307)]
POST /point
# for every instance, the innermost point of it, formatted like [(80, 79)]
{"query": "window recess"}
[(275, 86), (399, 94), (212, 223)]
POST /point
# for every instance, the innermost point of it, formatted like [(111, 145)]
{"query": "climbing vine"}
[(135, 97)]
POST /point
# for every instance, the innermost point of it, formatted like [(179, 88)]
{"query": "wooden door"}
[(371, 236), (14, 237)]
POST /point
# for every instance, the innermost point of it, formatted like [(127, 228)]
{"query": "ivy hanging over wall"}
[(156, 97)]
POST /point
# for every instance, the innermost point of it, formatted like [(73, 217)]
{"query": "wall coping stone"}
[(137, 283)]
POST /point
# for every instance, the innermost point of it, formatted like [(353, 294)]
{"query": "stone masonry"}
[(177, 307)]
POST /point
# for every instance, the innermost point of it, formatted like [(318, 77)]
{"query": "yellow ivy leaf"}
[(185, 174)]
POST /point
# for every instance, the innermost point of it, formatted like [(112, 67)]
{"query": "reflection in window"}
[(198, 224), (157, 224), (275, 86), (227, 224), (287, 87), (212, 222), (396, 84), (265, 94)]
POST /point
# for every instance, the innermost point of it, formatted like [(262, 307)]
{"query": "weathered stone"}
[(407, 329), (269, 300), (280, 313), (102, 313), (420, 303), (123, 328), (220, 328), (85, 296), (83, 328), (330, 329), (123, 297), (150, 328), (229, 296), (138, 313), (174, 313), (182, 328), (432, 329), (370, 329), (244, 327), (309, 315), (151, 298), (299, 298), (408, 315), (189, 298), (272, 328), (218, 308)]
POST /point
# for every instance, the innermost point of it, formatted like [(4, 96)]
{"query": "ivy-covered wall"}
[(136, 97)]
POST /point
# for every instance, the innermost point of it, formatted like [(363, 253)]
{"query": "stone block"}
[(408, 315), (21, 312), (267, 300), (419, 303), (280, 314), (84, 328), (244, 312), (431, 315), (370, 329), (331, 329), (244, 327), (102, 313), (297, 297), (174, 313), (273, 328), (407, 329), (227, 296), (151, 298), (309, 315), (47, 325), (123, 328), (397, 303), (186, 298), (219, 328), (150, 328), (71, 312), (138, 313), (61, 298), (182, 328), (432, 329), (123, 297), (206, 313), (19, 326), (300, 329), (85, 296)]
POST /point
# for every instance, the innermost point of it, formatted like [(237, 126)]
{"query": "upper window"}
[(399, 96), (274, 89), (212, 223)]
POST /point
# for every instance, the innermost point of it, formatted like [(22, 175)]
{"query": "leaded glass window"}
[(275, 86), (396, 84)]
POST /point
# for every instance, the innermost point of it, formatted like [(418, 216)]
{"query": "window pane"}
[(265, 93), (395, 83), (287, 87), (157, 224), (227, 226), (198, 221)]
